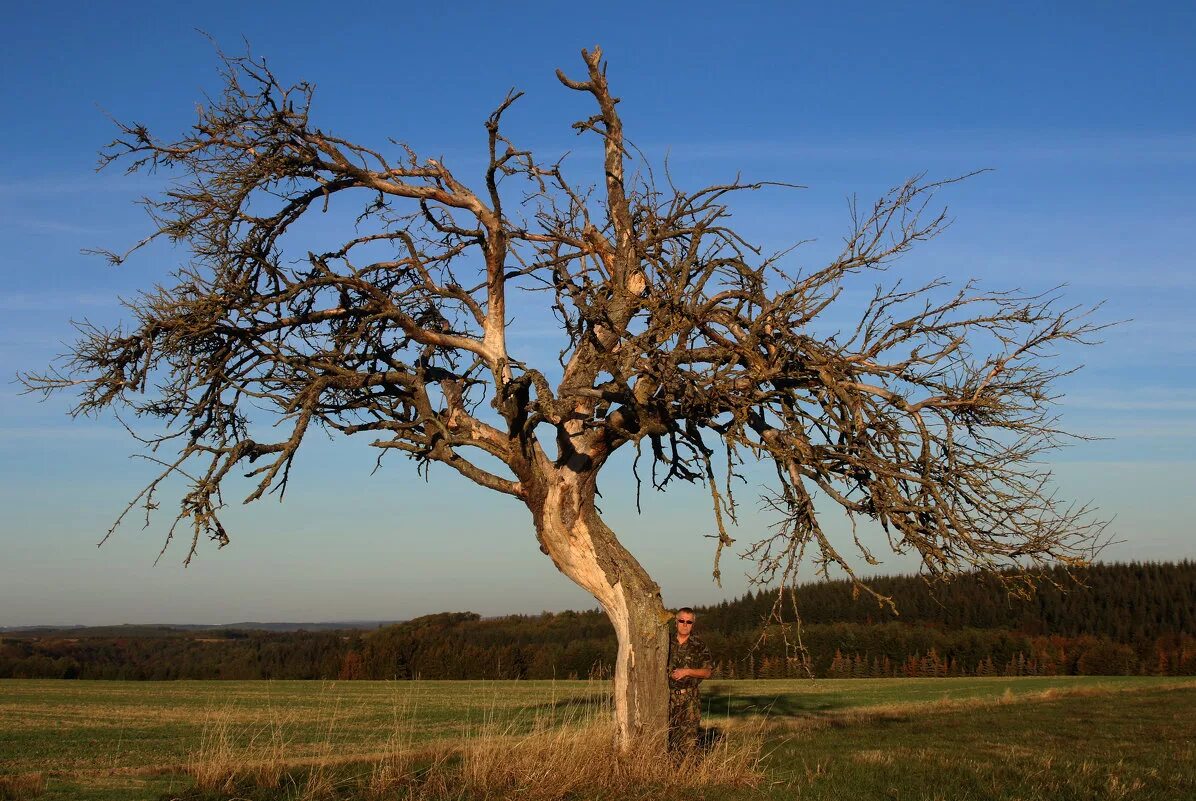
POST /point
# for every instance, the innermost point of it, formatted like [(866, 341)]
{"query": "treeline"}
[(572, 645), (1124, 602), (226, 655), (885, 650), (1137, 618)]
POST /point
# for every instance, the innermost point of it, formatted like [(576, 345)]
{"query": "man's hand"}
[(681, 673)]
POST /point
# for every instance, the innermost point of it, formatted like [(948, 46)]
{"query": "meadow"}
[(979, 738)]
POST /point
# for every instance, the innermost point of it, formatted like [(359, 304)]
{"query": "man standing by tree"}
[(689, 664)]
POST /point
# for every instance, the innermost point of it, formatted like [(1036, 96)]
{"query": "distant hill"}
[(174, 629), (1136, 618)]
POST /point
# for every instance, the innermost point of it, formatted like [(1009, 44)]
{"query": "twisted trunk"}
[(586, 550)]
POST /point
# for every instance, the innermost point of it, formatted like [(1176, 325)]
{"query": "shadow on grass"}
[(778, 705), (717, 701), (709, 738), (588, 701)]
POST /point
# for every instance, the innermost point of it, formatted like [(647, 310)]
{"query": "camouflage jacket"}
[(693, 654)]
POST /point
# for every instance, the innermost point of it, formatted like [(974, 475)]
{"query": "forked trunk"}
[(585, 549)]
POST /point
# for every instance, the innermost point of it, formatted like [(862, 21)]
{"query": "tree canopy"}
[(678, 337), (676, 334)]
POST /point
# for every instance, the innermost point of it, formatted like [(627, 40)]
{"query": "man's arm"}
[(701, 673), (707, 665)]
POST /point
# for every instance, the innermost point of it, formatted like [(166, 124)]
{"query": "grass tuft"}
[(563, 752), (21, 786), (225, 761), (583, 761)]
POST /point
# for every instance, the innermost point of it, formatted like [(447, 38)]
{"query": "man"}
[(689, 664)]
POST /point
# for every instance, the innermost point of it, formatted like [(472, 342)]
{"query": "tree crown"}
[(677, 334)]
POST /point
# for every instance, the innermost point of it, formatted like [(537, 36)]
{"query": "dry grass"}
[(563, 750), (560, 754), (223, 760), (411, 740), (21, 786), (583, 761)]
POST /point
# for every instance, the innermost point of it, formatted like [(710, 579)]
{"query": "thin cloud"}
[(1128, 432), (1095, 280), (55, 226), (61, 433), (1168, 464), (1013, 146), (1134, 405), (53, 301), (77, 185)]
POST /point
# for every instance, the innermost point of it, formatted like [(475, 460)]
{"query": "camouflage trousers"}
[(685, 714)]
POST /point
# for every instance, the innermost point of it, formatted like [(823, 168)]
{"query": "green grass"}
[(1071, 747), (904, 738), (73, 727)]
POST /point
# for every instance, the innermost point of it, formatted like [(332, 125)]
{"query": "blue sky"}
[(1082, 111)]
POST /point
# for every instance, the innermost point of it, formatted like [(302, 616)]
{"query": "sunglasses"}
[(685, 622)]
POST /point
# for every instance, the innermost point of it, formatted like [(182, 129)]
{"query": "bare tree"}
[(678, 338)]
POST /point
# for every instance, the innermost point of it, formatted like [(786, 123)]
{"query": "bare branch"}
[(930, 416)]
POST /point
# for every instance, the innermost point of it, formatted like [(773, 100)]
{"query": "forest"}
[(1107, 619)]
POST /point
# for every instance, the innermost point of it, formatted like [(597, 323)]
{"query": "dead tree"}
[(679, 339)]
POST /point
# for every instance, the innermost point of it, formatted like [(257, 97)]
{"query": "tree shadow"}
[(587, 701), (718, 702), (709, 738)]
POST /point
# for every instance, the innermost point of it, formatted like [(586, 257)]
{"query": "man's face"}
[(685, 624)]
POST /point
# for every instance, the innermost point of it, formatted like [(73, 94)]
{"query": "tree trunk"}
[(585, 549)]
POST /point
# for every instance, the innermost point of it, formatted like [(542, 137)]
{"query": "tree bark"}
[(586, 550)]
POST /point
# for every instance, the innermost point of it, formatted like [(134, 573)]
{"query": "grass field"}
[(1031, 738)]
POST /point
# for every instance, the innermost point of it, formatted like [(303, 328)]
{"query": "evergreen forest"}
[(1107, 619)]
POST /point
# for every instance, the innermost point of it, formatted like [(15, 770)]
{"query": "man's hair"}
[(685, 609)]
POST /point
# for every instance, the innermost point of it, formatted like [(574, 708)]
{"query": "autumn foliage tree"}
[(678, 339)]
